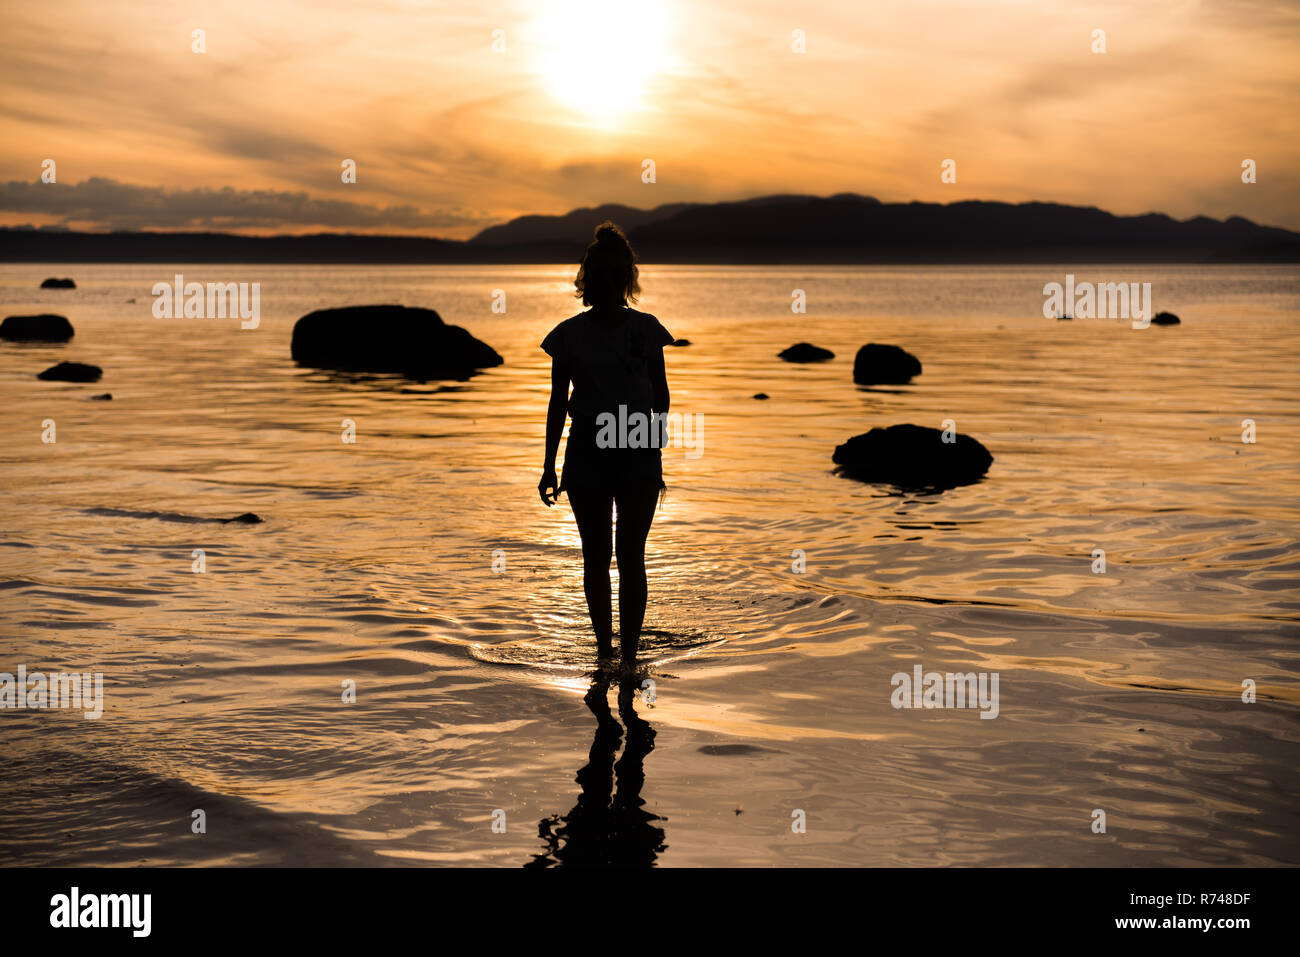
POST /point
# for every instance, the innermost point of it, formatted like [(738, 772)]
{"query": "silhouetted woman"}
[(613, 356)]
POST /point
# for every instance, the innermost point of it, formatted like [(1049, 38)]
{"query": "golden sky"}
[(450, 135)]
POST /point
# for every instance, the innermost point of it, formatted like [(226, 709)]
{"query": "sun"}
[(598, 57)]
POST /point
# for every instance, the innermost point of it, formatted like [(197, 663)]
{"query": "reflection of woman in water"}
[(608, 827), (613, 356)]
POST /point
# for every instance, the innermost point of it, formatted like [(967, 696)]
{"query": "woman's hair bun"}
[(608, 273), (608, 232)]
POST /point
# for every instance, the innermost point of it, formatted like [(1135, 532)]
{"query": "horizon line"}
[(233, 231)]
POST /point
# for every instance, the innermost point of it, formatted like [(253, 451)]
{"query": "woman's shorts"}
[(587, 466)]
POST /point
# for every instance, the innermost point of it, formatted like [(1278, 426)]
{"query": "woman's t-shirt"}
[(608, 358)]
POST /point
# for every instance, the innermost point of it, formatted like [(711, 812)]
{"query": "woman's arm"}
[(659, 382), (659, 397), (556, 411)]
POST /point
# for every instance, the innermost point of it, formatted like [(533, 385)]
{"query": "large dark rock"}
[(884, 365), (1165, 319), (53, 283), (913, 457), (410, 341), (72, 372), (42, 328), (805, 352)]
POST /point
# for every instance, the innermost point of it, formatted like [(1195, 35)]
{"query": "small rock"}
[(884, 365), (913, 457), (248, 518), (1165, 319), (734, 749), (680, 342), (72, 372), (103, 396), (805, 352), (761, 395), (53, 283), (42, 328)]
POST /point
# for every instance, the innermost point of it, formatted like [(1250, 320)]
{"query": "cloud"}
[(107, 203), (445, 131)]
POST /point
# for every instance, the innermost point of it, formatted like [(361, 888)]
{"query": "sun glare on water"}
[(598, 57)]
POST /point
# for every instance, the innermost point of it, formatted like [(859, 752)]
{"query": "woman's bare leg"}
[(593, 511), (636, 510)]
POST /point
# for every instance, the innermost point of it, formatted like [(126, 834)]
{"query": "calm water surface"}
[(1119, 691)]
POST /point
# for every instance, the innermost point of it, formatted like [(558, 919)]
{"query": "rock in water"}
[(680, 342), (410, 341), (43, 328), (104, 397), (913, 457), (53, 283), (72, 372), (805, 352), (247, 518), (1165, 319), (884, 365)]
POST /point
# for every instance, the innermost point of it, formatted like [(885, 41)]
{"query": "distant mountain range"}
[(841, 229)]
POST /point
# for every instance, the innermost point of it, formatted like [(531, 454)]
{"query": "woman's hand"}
[(548, 488)]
